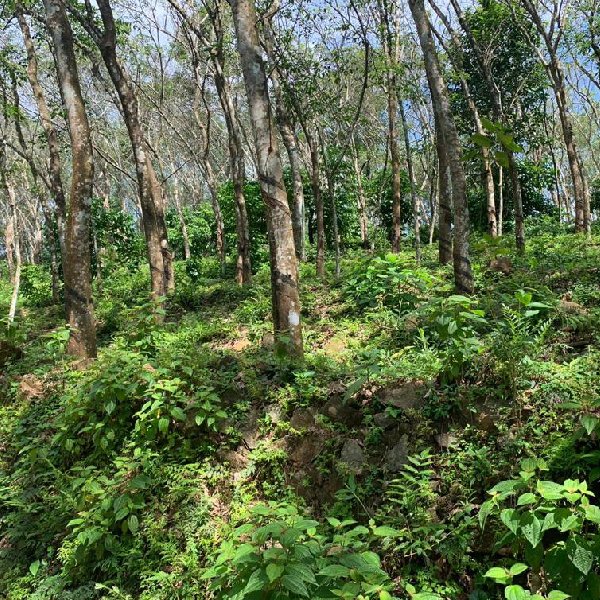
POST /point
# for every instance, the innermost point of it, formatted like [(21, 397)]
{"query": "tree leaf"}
[(531, 528), (581, 557), (274, 571), (295, 585)]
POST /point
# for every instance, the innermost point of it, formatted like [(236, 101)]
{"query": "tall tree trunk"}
[(517, 202), (55, 177), (77, 268), (395, 164), (463, 277), (187, 253), (288, 135), (315, 181), (284, 270), (150, 189), (361, 201), (556, 75), (17, 250), (500, 200), (444, 198), (413, 192)]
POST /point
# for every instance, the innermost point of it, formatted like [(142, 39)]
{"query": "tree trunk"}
[(444, 199), (288, 135), (413, 193), (315, 181), (55, 177), (362, 203), (284, 270), (150, 189), (500, 200), (395, 163), (463, 277), (77, 269), (184, 232), (517, 202)]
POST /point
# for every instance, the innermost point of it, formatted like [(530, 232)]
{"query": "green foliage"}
[(279, 553), (450, 324), (385, 281), (36, 286), (554, 527)]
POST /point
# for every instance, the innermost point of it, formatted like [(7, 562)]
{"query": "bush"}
[(384, 281)]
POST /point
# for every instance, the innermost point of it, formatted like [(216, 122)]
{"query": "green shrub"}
[(385, 281), (554, 528), (281, 554)]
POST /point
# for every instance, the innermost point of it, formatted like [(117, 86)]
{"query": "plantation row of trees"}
[(361, 122)]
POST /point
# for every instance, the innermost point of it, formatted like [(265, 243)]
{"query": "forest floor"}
[(129, 477)]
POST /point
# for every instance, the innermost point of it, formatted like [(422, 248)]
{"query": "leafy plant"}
[(281, 554), (554, 527)]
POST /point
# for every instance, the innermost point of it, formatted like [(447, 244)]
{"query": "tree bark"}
[(556, 74), (444, 198), (55, 177), (463, 277), (413, 193), (284, 270), (150, 189), (361, 201), (315, 181), (77, 268)]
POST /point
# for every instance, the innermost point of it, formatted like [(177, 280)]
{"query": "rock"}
[(302, 418), (353, 456), (484, 422), (501, 264), (397, 456), (268, 340), (274, 413), (9, 352), (406, 395), (445, 440), (341, 412), (306, 450), (383, 420), (573, 308)]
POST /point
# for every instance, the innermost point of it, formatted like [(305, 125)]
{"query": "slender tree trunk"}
[(334, 219), (444, 199), (150, 189), (77, 269), (284, 270), (413, 192), (362, 203), (517, 202), (395, 164), (12, 239), (500, 200), (288, 135), (184, 232), (463, 277), (55, 177), (315, 180)]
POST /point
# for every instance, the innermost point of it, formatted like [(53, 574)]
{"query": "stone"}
[(445, 440), (302, 418), (274, 413), (340, 412), (383, 420), (501, 264), (397, 456), (353, 456), (405, 396)]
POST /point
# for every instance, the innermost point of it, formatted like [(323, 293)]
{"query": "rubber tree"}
[(284, 270), (77, 260), (448, 135), (149, 187)]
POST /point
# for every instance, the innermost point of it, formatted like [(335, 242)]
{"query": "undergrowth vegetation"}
[(428, 446)]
